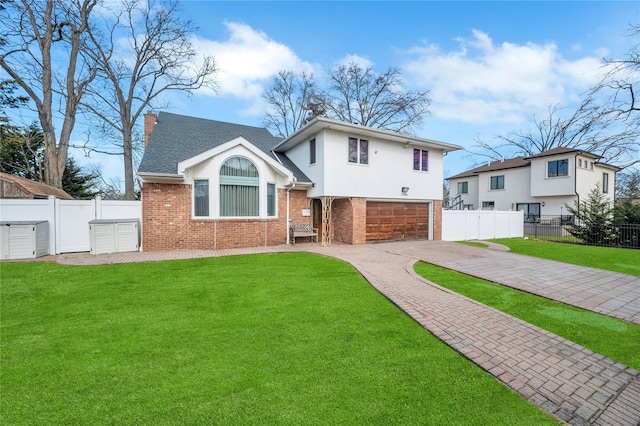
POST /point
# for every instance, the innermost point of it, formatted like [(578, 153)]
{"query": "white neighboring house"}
[(542, 184)]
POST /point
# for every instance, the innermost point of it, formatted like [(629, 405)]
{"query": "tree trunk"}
[(128, 162)]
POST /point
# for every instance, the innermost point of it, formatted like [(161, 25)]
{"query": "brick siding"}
[(168, 225)]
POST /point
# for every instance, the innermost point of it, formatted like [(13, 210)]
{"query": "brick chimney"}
[(150, 120)]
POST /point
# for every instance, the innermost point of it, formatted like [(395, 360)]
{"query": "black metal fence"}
[(568, 229)]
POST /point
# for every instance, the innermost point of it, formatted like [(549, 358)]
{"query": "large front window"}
[(497, 182), (558, 168), (239, 188)]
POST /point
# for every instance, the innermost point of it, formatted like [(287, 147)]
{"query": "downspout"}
[(293, 184), (575, 181)]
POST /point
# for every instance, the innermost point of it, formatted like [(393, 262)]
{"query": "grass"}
[(264, 339), (626, 261), (613, 338)]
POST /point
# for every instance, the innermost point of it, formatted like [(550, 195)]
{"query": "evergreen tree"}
[(593, 219), (77, 183)]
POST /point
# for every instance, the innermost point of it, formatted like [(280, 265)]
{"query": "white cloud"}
[(355, 59), (482, 82), (247, 60)]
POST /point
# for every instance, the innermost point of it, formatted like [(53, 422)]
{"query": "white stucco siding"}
[(516, 188), (546, 186), (471, 197), (210, 169), (588, 178), (390, 167)]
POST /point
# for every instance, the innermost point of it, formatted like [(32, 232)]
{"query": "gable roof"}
[(509, 163), (33, 188), (176, 138)]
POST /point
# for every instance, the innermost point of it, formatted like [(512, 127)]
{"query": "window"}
[(605, 183), (497, 182), (463, 187), (591, 165), (420, 160), (558, 168), (358, 151), (271, 199), (579, 162), (312, 151), (201, 198), (239, 187), (531, 210), (489, 205)]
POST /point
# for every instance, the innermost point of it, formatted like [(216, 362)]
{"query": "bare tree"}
[(360, 95), (620, 83), (354, 94), (590, 128), (291, 102), (42, 51), (158, 57)]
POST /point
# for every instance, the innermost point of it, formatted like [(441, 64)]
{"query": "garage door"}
[(397, 221)]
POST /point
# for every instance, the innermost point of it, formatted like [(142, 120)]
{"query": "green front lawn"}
[(616, 339), (265, 339), (626, 261)]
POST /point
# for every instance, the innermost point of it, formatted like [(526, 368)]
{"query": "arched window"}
[(239, 188)]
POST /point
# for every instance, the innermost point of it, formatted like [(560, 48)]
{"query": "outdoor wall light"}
[(543, 204), (405, 190)]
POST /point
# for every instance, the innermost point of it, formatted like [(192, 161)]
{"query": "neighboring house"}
[(214, 185), (542, 184), (18, 187)]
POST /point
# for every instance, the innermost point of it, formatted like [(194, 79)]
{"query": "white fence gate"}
[(68, 219), (464, 225)]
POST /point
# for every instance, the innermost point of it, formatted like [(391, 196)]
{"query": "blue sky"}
[(489, 66)]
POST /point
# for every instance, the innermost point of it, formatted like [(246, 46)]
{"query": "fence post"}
[(97, 203)]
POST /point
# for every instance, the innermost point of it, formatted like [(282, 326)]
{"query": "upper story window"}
[(420, 160), (358, 151), (463, 187), (497, 182), (312, 151), (239, 188), (201, 198), (605, 183), (558, 168), (579, 162)]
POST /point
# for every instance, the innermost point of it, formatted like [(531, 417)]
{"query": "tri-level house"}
[(542, 184), (213, 185)]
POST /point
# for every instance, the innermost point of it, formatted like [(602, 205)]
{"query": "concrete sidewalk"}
[(575, 384)]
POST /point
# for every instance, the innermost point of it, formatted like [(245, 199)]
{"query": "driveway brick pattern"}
[(574, 384), (609, 293)]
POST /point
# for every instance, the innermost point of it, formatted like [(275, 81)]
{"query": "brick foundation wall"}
[(168, 225), (349, 218), (437, 219)]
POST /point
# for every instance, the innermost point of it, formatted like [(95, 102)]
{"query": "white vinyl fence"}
[(464, 225), (68, 219)]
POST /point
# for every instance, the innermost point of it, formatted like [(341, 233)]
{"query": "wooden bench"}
[(301, 230)]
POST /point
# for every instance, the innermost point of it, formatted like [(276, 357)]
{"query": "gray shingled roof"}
[(509, 163), (177, 137)]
